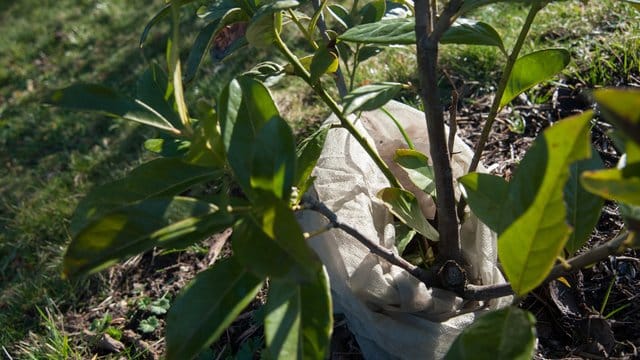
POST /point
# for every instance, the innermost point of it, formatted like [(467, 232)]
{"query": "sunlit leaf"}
[(404, 235), (370, 97), (530, 245), (471, 32), (401, 31), (416, 164), (387, 32), (260, 30), (216, 10), (532, 69), (612, 184), (207, 306), (620, 106), (506, 334), (298, 322), (90, 97), (341, 15), (129, 230), (583, 208), (276, 219), (324, 61), (373, 11), (307, 156), (159, 177), (274, 158), (244, 107), (405, 207), (250, 244), (167, 147), (486, 195), (367, 52)]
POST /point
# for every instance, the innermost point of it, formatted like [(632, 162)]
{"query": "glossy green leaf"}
[(401, 31), (299, 322), (244, 107), (612, 184), (416, 164), (530, 245), (90, 97), (153, 90), (386, 32), (370, 97), (471, 32), (129, 230), (307, 155), (317, 14), (486, 195), (324, 61), (207, 306), (373, 11), (260, 32), (404, 235), (274, 159), (216, 10), (583, 208), (506, 334), (341, 15), (198, 51), (164, 12), (278, 222), (620, 106), (250, 244), (405, 207), (206, 149), (156, 178), (532, 69), (367, 52)]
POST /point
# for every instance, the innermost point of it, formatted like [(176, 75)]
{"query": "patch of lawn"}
[(51, 157)]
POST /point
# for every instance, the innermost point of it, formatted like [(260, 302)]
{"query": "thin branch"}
[(612, 247), (495, 106), (427, 54), (322, 26), (444, 21), (330, 102), (426, 277)]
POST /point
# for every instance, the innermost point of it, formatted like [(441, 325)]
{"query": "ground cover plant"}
[(279, 191)]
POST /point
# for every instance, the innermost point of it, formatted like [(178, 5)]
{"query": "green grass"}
[(51, 157)]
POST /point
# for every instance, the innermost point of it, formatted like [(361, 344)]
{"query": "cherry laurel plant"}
[(246, 152)]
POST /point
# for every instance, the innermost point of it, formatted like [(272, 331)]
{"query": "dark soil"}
[(570, 321)]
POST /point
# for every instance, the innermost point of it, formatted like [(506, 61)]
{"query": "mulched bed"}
[(570, 321)]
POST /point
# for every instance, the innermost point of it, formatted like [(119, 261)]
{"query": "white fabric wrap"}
[(391, 313)]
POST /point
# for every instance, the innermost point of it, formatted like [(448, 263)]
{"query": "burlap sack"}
[(391, 313)]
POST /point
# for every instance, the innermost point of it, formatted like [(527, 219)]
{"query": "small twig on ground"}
[(423, 275)]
